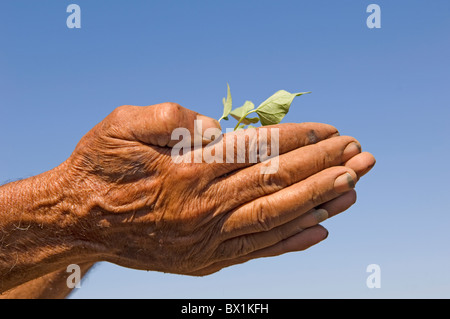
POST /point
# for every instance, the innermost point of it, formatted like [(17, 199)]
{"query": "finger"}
[(245, 244), (246, 184), (155, 124), (339, 204), (306, 221), (267, 212), (361, 163), (242, 148), (298, 242), (327, 210)]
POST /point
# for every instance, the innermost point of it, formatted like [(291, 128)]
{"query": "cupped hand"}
[(141, 209)]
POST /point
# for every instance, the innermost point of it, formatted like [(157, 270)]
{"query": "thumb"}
[(154, 124)]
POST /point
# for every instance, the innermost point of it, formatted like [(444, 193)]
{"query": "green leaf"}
[(226, 105), (273, 110), (242, 111)]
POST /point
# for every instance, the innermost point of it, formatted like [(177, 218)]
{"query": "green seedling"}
[(269, 112)]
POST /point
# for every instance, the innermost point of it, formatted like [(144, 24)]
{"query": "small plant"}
[(269, 112)]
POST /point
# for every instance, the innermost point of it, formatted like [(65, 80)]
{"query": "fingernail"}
[(335, 134), (320, 214), (344, 183), (351, 150), (366, 170)]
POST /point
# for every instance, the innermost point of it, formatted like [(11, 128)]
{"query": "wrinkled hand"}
[(142, 210)]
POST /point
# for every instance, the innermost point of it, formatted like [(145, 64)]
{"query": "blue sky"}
[(387, 87)]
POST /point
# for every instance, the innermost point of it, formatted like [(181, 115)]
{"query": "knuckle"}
[(116, 122), (171, 106), (270, 183), (168, 113), (323, 157), (244, 245), (317, 194), (189, 172), (121, 112), (227, 249), (193, 178), (330, 152), (262, 217)]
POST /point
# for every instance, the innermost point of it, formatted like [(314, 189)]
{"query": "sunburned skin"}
[(120, 198)]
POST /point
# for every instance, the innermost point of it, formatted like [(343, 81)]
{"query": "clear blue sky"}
[(388, 87)]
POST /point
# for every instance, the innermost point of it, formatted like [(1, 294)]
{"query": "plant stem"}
[(242, 118)]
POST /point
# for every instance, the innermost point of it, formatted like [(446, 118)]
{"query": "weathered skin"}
[(120, 198)]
